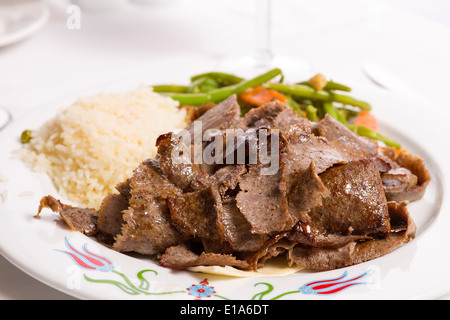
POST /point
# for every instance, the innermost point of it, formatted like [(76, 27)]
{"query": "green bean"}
[(311, 113), (330, 86), (328, 107), (305, 92), (294, 105), (266, 77), (343, 115), (173, 88), (348, 111), (347, 100), (224, 79), (203, 85), (369, 133), (197, 99), (332, 111), (218, 95)]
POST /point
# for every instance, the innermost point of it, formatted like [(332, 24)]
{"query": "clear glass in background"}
[(263, 57), (99, 4), (5, 118)]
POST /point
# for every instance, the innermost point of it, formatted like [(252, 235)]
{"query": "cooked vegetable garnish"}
[(203, 85), (170, 88), (332, 111), (366, 119), (26, 136), (260, 95), (366, 132), (311, 113), (223, 79), (302, 92), (318, 82), (312, 99), (295, 106), (330, 86), (220, 94)]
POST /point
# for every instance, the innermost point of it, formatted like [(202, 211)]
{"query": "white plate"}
[(418, 270), (20, 19)]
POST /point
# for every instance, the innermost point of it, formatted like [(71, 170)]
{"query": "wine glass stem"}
[(263, 51)]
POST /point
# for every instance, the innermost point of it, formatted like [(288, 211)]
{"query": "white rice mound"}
[(97, 142)]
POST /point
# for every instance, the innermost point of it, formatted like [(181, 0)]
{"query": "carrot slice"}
[(260, 95), (366, 119)]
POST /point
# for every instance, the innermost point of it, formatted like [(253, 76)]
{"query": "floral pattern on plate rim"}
[(86, 260)]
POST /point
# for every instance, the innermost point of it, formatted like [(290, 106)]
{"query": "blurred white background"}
[(436, 10), (410, 38)]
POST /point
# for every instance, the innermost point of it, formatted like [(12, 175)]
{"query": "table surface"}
[(407, 37)]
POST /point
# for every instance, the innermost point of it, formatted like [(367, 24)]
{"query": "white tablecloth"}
[(411, 39)]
